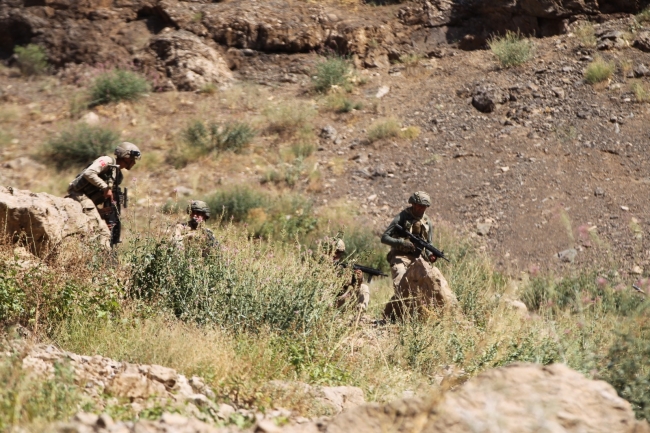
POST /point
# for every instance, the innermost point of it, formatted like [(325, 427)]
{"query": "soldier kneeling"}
[(418, 285)]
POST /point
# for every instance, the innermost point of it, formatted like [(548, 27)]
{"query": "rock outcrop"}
[(518, 398), (42, 221), (188, 63)]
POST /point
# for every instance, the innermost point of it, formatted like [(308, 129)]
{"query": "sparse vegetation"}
[(203, 139), (599, 70), (118, 85), (391, 128), (340, 103), (586, 34), (512, 49), (641, 93), (331, 72), (644, 16), (382, 129), (31, 59), (80, 145), (288, 120)]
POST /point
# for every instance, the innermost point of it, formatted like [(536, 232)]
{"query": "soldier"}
[(194, 228), (354, 292), (93, 186), (403, 253)]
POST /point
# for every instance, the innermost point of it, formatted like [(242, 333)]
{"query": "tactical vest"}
[(419, 228), (81, 185)]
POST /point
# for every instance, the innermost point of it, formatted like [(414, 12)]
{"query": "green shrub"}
[(388, 128), (80, 145), (240, 287), (118, 85), (31, 59), (599, 70), (26, 400), (235, 204), (41, 298), (213, 137), (512, 49), (586, 291), (334, 71), (364, 245), (628, 370), (339, 103), (265, 214)]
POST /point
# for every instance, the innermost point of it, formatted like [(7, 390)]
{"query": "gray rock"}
[(225, 410), (559, 92), (483, 229), (329, 133), (642, 41), (568, 256), (486, 99), (183, 191), (641, 70), (380, 171), (86, 418), (599, 192)]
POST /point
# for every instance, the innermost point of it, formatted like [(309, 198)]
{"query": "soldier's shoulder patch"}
[(102, 163)]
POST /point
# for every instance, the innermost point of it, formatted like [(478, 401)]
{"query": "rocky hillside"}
[(547, 397)]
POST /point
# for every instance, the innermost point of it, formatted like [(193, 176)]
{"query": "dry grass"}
[(290, 119), (599, 70), (586, 34), (641, 93)]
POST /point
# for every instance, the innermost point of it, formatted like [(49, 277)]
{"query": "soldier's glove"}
[(407, 245)]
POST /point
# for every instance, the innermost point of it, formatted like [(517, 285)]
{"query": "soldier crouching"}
[(354, 292), (194, 230), (94, 185), (426, 287)]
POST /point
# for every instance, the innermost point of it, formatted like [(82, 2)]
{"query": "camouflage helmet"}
[(199, 206), (127, 150), (339, 246), (420, 197)]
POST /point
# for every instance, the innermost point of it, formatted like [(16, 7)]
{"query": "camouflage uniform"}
[(193, 231), (89, 185), (355, 292), (402, 253)]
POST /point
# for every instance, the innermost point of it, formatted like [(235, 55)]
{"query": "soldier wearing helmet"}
[(354, 292), (94, 184), (402, 251), (194, 229)]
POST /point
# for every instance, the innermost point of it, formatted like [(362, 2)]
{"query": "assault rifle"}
[(639, 289), (421, 244), (112, 211), (371, 272)]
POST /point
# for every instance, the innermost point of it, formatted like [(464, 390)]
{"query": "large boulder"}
[(519, 398), (422, 290), (42, 221), (187, 62)]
